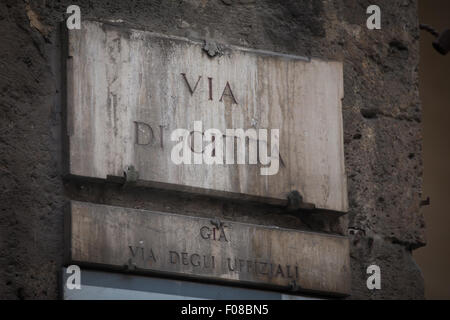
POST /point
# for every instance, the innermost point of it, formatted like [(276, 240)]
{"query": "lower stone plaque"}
[(209, 249)]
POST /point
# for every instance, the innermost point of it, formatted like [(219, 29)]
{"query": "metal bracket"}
[(294, 286), (218, 224), (130, 265), (131, 176), (212, 48), (425, 202), (442, 42), (295, 202)]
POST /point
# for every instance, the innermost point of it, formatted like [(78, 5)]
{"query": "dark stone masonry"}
[(381, 112)]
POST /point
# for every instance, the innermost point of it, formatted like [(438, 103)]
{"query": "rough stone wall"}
[(382, 129)]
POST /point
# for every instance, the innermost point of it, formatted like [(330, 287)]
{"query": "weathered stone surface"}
[(382, 129), (129, 90), (203, 248)]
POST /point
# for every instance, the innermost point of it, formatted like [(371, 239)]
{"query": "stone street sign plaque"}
[(128, 91), (147, 241)]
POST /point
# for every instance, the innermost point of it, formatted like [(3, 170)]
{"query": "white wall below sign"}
[(97, 285)]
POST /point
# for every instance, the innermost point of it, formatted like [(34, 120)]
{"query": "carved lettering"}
[(210, 88), (222, 236), (195, 260), (152, 255), (161, 136), (279, 271), (213, 234), (227, 92), (135, 251), (191, 90), (263, 270), (143, 129), (205, 232), (174, 257), (184, 258), (229, 265), (208, 263)]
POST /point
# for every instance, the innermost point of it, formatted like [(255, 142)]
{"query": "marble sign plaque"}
[(129, 90), (209, 249)]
